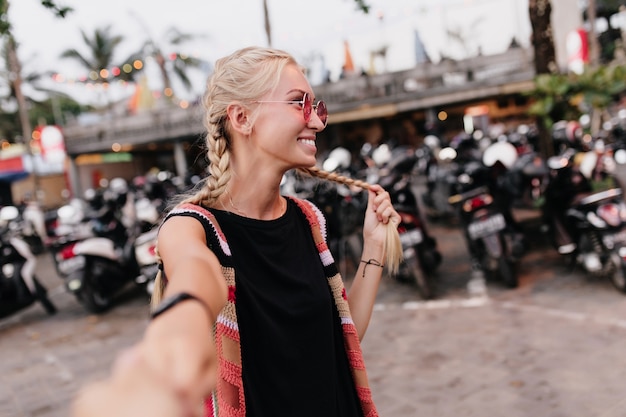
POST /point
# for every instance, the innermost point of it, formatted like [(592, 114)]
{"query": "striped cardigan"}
[(228, 398)]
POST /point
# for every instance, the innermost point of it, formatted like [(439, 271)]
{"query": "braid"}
[(331, 176), (393, 246)]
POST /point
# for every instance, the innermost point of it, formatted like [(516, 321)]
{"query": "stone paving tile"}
[(552, 348)]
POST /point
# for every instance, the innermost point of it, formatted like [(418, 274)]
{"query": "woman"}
[(254, 320)]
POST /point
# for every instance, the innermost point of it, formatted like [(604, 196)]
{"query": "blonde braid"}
[(393, 246), (209, 190)]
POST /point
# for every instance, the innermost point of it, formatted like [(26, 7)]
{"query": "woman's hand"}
[(169, 373), (178, 346), (133, 389), (379, 213)]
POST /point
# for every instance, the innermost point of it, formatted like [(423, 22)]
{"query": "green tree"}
[(13, 63), (100, 53), (567, 96), (49, 109)]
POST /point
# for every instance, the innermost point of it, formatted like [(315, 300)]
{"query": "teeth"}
[(308, 142)]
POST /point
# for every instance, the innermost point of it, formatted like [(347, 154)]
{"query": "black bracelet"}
[(170, 302), (370, 262)]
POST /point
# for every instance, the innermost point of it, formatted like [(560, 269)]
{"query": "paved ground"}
[(552, 348)]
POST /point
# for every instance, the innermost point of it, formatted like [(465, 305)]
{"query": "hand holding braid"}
[(393, 246)]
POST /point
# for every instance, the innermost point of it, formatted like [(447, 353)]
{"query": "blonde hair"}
[(246, 76)]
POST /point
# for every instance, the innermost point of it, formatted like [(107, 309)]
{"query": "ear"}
[(239, 118)]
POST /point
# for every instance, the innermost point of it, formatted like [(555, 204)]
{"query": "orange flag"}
[(348, 65)]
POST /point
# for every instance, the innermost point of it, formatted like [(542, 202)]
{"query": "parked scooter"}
[(588, 224), (344, 209), (99, 266), (33, 226), (19, 287), (484, 210), (421, 256)]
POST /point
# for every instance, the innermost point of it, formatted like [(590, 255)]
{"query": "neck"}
[(255, 208)]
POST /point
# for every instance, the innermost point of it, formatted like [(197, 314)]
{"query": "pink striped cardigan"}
[(228, 399)]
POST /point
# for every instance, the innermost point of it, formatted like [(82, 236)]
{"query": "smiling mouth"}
[(310, 142)]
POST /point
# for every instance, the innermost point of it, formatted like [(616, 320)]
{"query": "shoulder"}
[(190, 210), (313, 214), (307, 207), (213, 233)]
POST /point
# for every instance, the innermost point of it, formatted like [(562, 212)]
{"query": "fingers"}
[(380, 203), (133, 389)]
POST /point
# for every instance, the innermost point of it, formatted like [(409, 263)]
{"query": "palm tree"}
[(49, 108), (101, 49), (178, 63)]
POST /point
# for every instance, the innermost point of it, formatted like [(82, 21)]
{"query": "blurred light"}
[(138, 64), (93, 75), (168, 92), (127, 68), (585, 120), (115, 71), (442, 115), (104, 73), (36, 134), (184, 104), (173, 57), (116, 147)]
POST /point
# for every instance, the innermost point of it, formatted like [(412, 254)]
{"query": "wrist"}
[(176, 299), (371, 263)]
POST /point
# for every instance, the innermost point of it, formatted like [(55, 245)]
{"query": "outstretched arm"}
[(176, 358)]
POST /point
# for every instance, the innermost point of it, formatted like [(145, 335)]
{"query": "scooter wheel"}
[(42, 297), (508, 274), (618, 277), (421, 280)]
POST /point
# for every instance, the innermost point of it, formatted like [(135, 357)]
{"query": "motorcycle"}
[(421, 256), (588, 224), (19, 287), (483, 208), (438, 170), (146, 219), (98, 264), (343, 208)]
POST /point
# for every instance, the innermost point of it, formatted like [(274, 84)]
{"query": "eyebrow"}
[(297, 90)]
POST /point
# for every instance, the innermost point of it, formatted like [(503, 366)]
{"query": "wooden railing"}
[(418, 88)]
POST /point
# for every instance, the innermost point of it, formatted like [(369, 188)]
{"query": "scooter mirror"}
[(8, 213)]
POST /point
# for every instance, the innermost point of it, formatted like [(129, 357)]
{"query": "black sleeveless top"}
[(293, 358)]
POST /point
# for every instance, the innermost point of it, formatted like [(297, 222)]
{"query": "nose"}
[(316, 123)]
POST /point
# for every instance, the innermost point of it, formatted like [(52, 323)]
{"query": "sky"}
[(313, 31)]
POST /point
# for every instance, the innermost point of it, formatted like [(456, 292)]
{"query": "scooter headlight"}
[(74, 284), (8, 270)]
